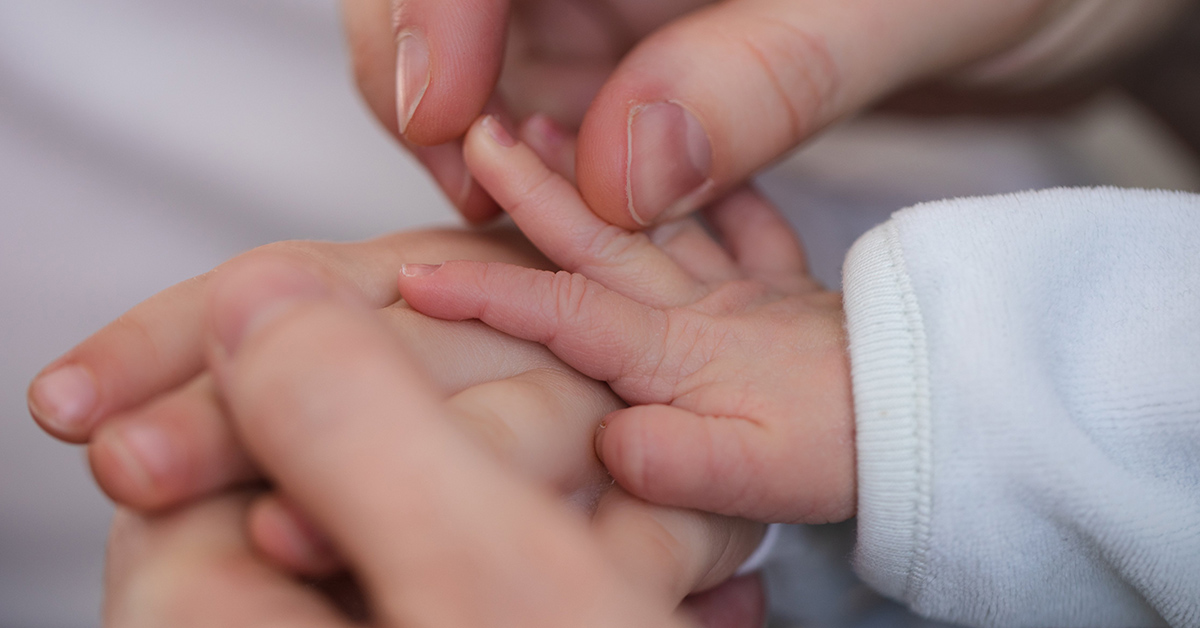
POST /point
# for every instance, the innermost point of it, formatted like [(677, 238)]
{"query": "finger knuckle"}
[(798, 67), (572, 293)]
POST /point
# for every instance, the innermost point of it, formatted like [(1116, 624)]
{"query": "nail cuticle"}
[(668, 161)]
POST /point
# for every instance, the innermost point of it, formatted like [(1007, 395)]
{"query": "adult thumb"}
[(438, 531), (703, 103)]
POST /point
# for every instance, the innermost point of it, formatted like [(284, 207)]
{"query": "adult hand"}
[(194, 566), (683, 98), (438, 531)]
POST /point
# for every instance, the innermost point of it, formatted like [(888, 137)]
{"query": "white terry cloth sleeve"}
[(1027, 389)]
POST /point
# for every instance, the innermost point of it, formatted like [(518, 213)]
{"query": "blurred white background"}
[(144, 142)]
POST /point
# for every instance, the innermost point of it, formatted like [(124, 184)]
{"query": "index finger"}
[(440, 533), (157, 345)]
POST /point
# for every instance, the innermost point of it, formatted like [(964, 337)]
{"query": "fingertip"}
[(601, 155), (133, 465), (448, 58), (63, 399)]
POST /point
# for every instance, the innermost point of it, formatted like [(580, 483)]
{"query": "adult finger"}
[(709, 99), (540, 422), (174, 449), (760, 240), (550, 212), (440, 534), (672, 552), (684, 241), (180, 446), (157, 345), (373, 52), (193, 567), (603, 334), (448, 57)]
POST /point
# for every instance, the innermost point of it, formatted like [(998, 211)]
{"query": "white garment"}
[(1027, 387)]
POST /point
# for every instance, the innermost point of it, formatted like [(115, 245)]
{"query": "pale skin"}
[(735, 362), (535, 414)]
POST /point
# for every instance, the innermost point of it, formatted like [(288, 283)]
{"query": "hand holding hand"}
[(676, 101), (736, 360)]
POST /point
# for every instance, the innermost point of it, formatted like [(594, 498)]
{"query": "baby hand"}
[(734, 357)]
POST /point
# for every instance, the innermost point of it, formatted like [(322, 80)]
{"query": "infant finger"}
[(732, 466), (671, 551), (445, 163), (552, 143), (174, 449), (760, 239), (602, 334), (550, 212), (686, 242)]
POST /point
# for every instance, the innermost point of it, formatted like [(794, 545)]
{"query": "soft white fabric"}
[(1027, 386)]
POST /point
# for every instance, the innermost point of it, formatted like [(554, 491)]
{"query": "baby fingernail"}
[(64, 398), (412, 75), (670, 162), (498, 133), (598, 443), (418, 270)]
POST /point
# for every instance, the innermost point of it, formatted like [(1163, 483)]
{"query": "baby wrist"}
[(889, 373)]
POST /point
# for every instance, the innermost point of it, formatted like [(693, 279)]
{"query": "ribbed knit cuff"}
[(889, 367)]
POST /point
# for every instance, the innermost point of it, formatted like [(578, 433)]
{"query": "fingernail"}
[(498, 133), (145, 453), (669, 165), (601, 430), (64, 398), (412, 75), (418, 270)]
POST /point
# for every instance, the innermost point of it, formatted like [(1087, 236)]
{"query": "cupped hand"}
[(159, 438), (735, 356), (677, 101), (436, 529)]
